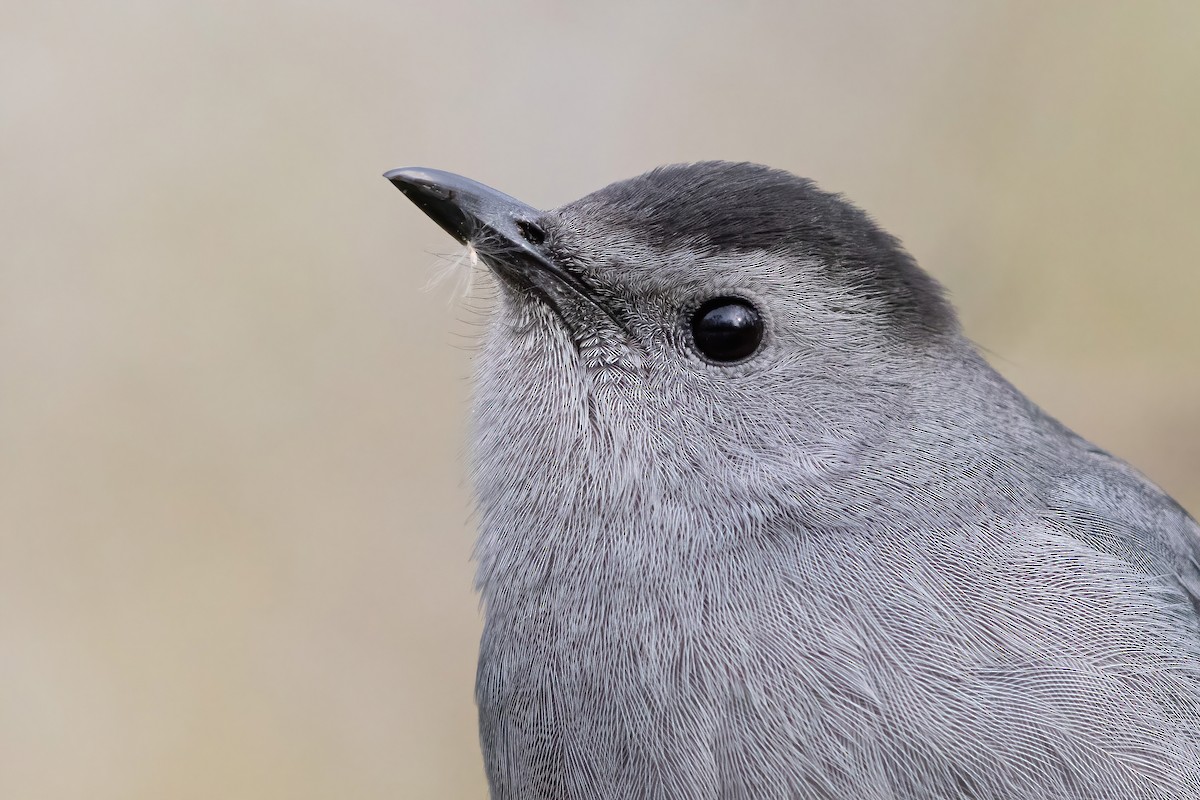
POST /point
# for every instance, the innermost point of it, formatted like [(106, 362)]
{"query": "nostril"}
[(532, 232)]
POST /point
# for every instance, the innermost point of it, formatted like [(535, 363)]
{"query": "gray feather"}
[(858, 565)]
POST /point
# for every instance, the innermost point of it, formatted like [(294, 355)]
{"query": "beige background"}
[(234, 538)]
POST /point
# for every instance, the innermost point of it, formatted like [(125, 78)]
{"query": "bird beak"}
[(466, 209), (508, 233)]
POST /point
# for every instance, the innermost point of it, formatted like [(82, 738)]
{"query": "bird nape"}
[(756, 520)]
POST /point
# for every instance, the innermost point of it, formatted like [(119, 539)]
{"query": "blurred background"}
[(234, 531)]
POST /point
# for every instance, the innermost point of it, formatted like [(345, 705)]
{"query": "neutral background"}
[(234, 533)]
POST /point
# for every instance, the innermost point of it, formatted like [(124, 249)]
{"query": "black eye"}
[(727, 329)]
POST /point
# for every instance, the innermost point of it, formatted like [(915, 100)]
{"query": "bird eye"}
[(727, 329)]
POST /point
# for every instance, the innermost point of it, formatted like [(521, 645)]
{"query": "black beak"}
[(506, 231), (466, 209)]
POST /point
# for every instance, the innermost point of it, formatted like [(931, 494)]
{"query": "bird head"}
[(712, 336)]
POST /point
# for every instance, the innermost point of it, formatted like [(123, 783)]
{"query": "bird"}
[(757, 520)]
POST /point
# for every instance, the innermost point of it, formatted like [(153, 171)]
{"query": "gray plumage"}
[(858, 564)]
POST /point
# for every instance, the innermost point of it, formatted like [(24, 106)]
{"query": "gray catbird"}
[(757, 521)]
